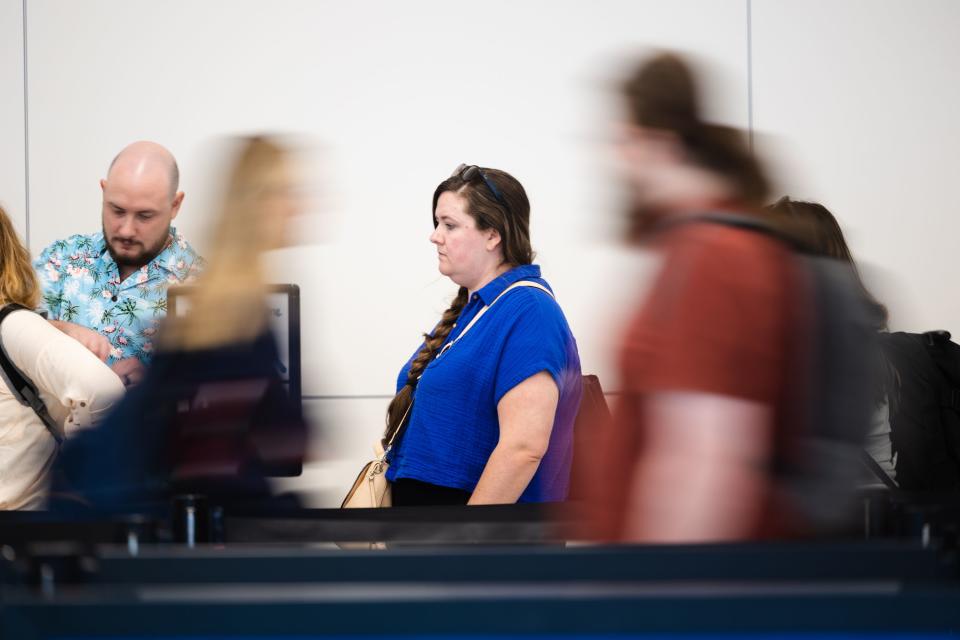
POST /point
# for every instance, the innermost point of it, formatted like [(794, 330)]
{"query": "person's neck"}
[(690, 190), (128, 270), (488, 277)]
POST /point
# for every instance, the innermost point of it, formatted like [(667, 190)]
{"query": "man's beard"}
[(140, 259)]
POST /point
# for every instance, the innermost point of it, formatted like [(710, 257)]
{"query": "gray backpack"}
[(834, 390)]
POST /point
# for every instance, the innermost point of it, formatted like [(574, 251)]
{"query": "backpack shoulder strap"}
[(403, 424), (21, 386), (753, 223)]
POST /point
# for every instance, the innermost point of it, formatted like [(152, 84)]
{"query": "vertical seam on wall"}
[(26, 132), (750, 74)]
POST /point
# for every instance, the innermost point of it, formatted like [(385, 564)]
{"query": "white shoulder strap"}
[(519, 283)]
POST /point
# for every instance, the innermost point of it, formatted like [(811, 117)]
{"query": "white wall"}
[(12, 182), (392, 96), (861, 99)]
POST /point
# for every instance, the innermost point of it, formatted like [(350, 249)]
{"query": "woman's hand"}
[(130, 370), (526, 414)]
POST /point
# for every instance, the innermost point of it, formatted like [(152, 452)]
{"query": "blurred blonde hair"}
[(227, 303), (18, 282)]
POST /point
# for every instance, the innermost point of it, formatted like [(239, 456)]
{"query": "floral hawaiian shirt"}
[(80, 283)]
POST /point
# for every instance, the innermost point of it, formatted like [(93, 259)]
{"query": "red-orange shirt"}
[(717, 320)]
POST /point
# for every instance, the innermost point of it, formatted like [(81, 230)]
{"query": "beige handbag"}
[(371, 489)]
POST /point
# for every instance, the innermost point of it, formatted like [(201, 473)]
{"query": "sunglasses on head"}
[(469, 172)]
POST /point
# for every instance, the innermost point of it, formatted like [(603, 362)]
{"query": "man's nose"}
[(126, 227)]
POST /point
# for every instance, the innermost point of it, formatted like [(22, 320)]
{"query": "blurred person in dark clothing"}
[(212, 415), (704, 361), (817, 228)]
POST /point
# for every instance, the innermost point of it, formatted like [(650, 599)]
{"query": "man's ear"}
[(493, 239), (177, 201), (103, 184)]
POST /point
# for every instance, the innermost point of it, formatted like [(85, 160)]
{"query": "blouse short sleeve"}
[(538, 340)]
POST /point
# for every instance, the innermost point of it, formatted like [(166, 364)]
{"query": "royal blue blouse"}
[(453, 426)]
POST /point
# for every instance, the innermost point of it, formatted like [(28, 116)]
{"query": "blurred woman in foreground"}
[(212, 415)]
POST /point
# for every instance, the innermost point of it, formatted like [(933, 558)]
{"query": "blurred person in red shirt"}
[(704, 361)]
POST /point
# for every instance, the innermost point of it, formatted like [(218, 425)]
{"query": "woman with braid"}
[(487, 418)]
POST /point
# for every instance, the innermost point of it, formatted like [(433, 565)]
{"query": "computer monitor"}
[(283, 302)]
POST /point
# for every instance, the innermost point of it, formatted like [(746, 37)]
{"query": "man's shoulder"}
[(183, 249), (180, 260), (76, 241)]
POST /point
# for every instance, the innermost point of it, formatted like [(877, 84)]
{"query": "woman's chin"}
[(451, 277)]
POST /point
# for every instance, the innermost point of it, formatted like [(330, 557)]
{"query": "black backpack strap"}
[(723, 218), (22, 387), (946, 356), (877, 470), (952, 399), (755, 223)]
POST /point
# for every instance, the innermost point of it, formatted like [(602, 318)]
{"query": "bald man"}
[(108, 290)]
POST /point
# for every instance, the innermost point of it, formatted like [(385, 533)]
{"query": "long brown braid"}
[(432, 343), (512, 222)]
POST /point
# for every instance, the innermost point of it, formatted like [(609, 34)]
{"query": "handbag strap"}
[(520, 283), (515, 285), (21, 386)]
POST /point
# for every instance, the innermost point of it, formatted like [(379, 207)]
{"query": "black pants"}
[(407, 492)]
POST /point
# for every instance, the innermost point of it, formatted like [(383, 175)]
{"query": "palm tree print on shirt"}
[(127, 309)]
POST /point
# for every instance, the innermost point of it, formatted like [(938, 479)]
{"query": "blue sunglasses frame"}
[(468, 172)]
